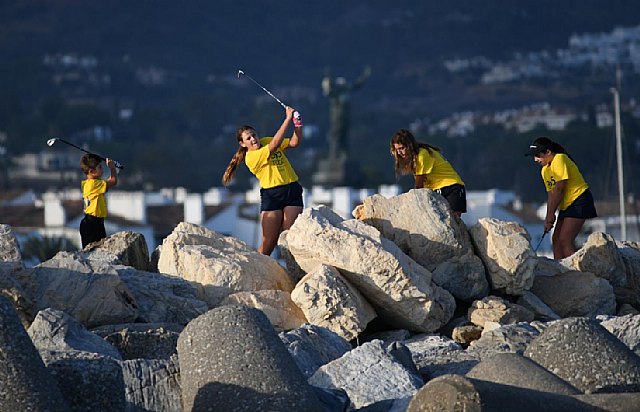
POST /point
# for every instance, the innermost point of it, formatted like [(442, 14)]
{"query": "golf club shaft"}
[(296, 114), (539, 242), (117, 164)]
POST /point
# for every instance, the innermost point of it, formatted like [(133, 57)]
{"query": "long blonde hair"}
[(237, 158), (406, 139)]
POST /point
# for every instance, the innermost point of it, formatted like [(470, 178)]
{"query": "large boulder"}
[(516, 370), (506, 252), (375, 367), (90, 291), (142, 340), (25, 383), (313, 346), (600, 256), (401, 291), (276, 304), (499, 310), (9, 248), (329, 300), (124, 248), (627, 329), (575, 294), (436, 355), (54, 330), (222, 264), (587, 356), (420, 222), (11, 289), (232, 359), (152, 385), (162, 298), (630, 293), (88, 381)]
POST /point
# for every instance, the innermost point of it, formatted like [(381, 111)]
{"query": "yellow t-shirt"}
[(271, 169), (93, 191), (437, 169), (563, 168)]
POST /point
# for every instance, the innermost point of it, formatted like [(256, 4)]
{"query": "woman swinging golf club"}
[(280, 192)]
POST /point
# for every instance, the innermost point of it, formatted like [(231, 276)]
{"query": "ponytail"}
[(233, 165), (552, 146), (237, 158)]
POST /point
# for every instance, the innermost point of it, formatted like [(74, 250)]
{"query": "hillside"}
[(173, 66)]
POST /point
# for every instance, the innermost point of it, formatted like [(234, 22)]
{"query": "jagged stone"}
[(463, 276), (627, 329), (400, 290), (513, 338), (327, 299), (587, 356), (162, 298), (630, 293), (152, 385), (9, 248), (90, 291), (25, 382), (142, 340), (541, 311), (506, 252), (54, 330), (121, 248), (88, 381), (313, 346), (12, 290), (420, 222), (222, 264), (436, 355), (232, 359), (575, 294), (465, 334), (600, 256), (375, 368), (276, 304), (496, 309)]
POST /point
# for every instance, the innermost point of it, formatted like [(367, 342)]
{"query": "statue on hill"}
[(339, 92), (334, 170)]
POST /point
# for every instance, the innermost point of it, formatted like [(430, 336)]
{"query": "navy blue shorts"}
[(581, 208), (456, 195), (279, 197)]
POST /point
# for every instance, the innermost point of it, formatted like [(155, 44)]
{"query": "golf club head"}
[(51, 142), (240, 72)]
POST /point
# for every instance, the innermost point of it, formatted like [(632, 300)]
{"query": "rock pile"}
[(400, 309)]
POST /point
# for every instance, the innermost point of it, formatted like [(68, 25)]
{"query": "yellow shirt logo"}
[(562, 168)]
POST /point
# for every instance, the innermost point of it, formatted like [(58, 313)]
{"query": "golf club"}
[(539, 242), (53, 141), (241, 72)]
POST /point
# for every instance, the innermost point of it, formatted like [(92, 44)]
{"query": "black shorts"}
[(456, 195), (91, 229), (279, 197), (581, 208)]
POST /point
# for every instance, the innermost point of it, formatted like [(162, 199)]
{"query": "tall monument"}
[(334, 170)]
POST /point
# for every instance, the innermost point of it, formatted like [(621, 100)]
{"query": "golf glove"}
[(297, 119)]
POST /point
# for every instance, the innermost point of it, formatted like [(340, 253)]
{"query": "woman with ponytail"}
[(429, 168), (567, 192), (280, 192)]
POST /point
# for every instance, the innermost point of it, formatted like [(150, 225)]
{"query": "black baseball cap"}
[(538, 146)]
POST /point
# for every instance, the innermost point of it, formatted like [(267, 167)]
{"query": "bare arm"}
[(113, 175), (420, 180), (554, 197), (275, 143), (297, 135)]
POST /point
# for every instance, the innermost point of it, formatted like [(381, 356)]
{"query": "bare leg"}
[(290, 215), (271, 226), (567, 236), (555, 239)]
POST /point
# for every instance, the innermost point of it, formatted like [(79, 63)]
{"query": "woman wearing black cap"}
[(567, 192)]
